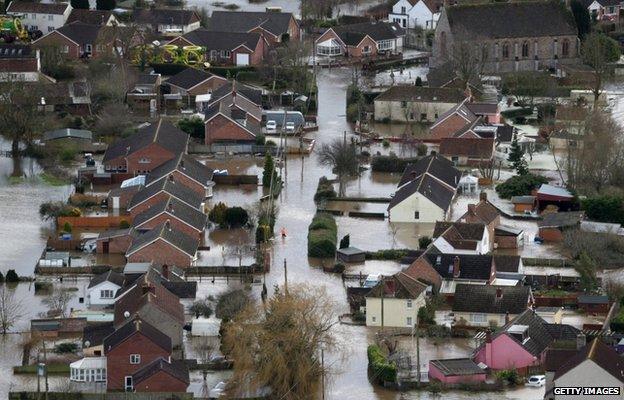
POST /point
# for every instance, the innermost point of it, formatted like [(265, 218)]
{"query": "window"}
[(65, 49), (403, 104), (435, 116), (33, 16), (34, 27), (454, 160), (98, 48), (565, 48), (479, 318), (384, 44), (227, 54), (409, 303), (525, 50), (374, 319), (611, 10), (144, 160), (107, 294), (50, 17), (366, 50), (416, 215), (402, 10), (423, 116), (50, 28), (88, 48), (128, 384), (505, 50), (135, 359), (409, 321)]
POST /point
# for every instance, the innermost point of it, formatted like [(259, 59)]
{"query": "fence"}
[(108, 221), (232, 148), (100, 396), (68, 245), (235, 179), (547, 262)]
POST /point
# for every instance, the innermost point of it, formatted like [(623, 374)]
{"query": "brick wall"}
[(116, 245), (195, 186), (161, 382), (161, 252), (551, 234), (55, 39), (138, 209), (152, 155), (208, 86), (221, 129), (447, 127), (175, 224), (357, 51), (506, 242)]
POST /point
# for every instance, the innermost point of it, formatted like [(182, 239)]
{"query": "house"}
[(145, 96), (563, 140), (524, 204), (164, 245), (192, 82), (93, 336), (461, 238), (482, 213), (522, 342), (604, 10), (187, 171), (57, 328), (93, 17), (232, 120), (20, 63), (162, 190), (517, 36), (167, 21), (114, 241), (487, 305), (171, 277), (366, 39), (554, 195), (553, 225), (72, 97), (405, 103), (77, 40), (235, 92), (275, 27), (227, 48), (153, 303), (182, 217), (594, 366), (468, 151), (134, 344), (44, 17), (145, 150), (454, 119), (455, 269), (162, 375), (412, 14), (456, 370), (395, 301), (425, 192), (103, 288), (593, 304)]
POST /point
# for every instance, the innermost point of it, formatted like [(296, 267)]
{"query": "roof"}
[(189, 78), (399, 286), (592, 299), (137, 326), (523, 199), (483, 211), (79, 32), (507, 263), (352, 34), (554, 358), (174, 209), (175, 368), (110, 276), (68, 133), (89, 363), (461, 235), (166, 16), (16, 51), (213, 40), (92, 17), (237, 21), (483, 108), (457, 366), (184, 290), (604, 356), (95, 333), (111, 233), (471, 266), (459, 109), (421, 94), (438, 193), (504, 133), (561, 219), (511, 20), (550, 190), (180, 240), (468, 147), (172, 188), (162, 133), (248, 92), (187, 166), (483, 299), (147, 79), (435, 165), (36, 7)]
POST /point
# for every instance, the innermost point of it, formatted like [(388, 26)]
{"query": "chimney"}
[(170, 177), (472, 208), (581, 341), (146, 288), (506, 317), (169, 207), (488, 348), (137, 322), (168, 224), (182, 164), (456, 270), (165, 271), (483, 196), (499, 293)]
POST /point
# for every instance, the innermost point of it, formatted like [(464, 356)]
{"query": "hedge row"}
[(390, 254), (324, 190), (390, 163), (517, 112), (383, 370), (322, 236)]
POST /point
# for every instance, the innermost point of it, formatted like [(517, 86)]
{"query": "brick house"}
[(145, 150), (115, 241), (19, 63), (44, 17), (275, 27), (553, 225), (187, 171), (461, 237), (189, 83), (519, 36), (227, 48), (468, 151), (366, 39), (93, 17), (161, 191), (487, 305), (182, 217), (405, 103), (77, 40), (483, 212), (167, 21), (164, 245), (134, 344), (593, 304), (453, 120), (162, 376)]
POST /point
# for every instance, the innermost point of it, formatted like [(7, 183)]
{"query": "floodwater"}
[(355, 8)]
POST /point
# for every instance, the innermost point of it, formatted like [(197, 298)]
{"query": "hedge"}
[(391, 163), (519, 185), (389, 254), (324, 190), (322, 236), (383, 370), (517, 112)]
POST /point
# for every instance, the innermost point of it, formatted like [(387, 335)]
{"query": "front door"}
[(105, 247), (128, 384)]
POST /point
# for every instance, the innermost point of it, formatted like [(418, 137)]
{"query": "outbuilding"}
[(456, 370), (351, 255), (88, 369)]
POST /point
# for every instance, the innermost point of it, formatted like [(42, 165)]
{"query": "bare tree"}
[(58, 301), (598, 52), (467, 55), (341, 156), (11, 309)]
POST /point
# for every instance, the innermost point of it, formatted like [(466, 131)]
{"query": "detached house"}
[(468, 151), (164, 245), (425, 192), (402, 298), (366, 39), (604, 10), (192, 82), (415, 103), (275, 27), (44, 17), (103, 288), (461, 237), (486, 305), (412, 14), (167, 21), (20, 63)]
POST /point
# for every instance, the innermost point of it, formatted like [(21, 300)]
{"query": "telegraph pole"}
[(285, 277)]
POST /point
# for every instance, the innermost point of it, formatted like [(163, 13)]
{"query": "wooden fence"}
[(107, 221), (67, 245), (235, 179)]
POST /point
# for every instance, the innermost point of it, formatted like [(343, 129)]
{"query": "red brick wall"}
[(189, 183), (55, 39), (161, 252), (18, 65), (162, 196), (506, 242), (551, 234), (156, 155), (221, 129), (271, 39), (421, 269), (357, 51), (447, 127), (208, 86), (161, 382), (116, 245), (115, 164), (595, 308), (175, 224), (118, 359), (523, 207), (293, 30)]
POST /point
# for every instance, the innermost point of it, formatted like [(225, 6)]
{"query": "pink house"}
[(455, 371)]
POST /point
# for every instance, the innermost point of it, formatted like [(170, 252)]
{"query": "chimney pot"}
[(506, 317), (165, 271), (456, 267), (472, 208), (483, 196), (499, 293)]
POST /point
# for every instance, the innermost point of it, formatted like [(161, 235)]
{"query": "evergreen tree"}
[(516, 158), (80, 4), (269, 170), (105, 4)]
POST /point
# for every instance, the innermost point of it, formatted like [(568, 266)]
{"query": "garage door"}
[(242, 59)]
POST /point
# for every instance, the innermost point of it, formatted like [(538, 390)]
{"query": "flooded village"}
[(311, 199)]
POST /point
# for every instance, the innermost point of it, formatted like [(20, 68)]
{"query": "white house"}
[(103, 288), (461, 238), (604, 10), (395, 301), (411, 14), (44, 17)]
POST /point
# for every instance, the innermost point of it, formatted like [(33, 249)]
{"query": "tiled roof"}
[(236, 21), (110, 276), (471, 148), (460, 235), (523, 199), (94, 334), (482, 108), (398, 286), (483, 211), (459, 109), (175, 368), (592, 299), (353, 34), (561, 219), (504, 133), (251, 94), (36, 7), (438, 193), (483, 299), (604, 356), (173, 209), (92, 17), (421, 94), (189, 78), (213, 40), (166, 16), (507, 263), (185, 164), (172, 188), (180, 240), (16, 51), (134, 326), (435, 165), (471, 266), (80, 32)]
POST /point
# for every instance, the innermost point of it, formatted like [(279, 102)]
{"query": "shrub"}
[(194, 126), (231, 303), (426, 315), (383, 370), (1, 277), (322, 236), (324, 190), (352, 112), (67, 227), (43, 287), (68, 154), (123, 224), (64, 348), (423, 242), (217, 213), (390, 254), (83, 200), (509, 376), (604, 208), (345, 242), (385, 143), (201, 308), (260, 140), (11, 276), (338, 268), (236, 216), (519, 185), (390, 163)]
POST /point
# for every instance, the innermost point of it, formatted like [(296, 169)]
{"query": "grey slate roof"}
[(511, 20), (68, 133), (466, 231), (236, 21), (436, 165), (214, 40), (471, 266), (432, 189), (92, 17), (186, 165), (482, 299), (604, 356), (147, 79), (137, 325), (504, 133), (80, 32), (507, 263), (182, 241), (251, 94), (592, 299), (175, 209), (457, 366), (561, 219), (16, 51), (353, 34), (523, 199), (422, 94), (95, 333), (36, 7), (166, 16), (175, 368), (110, 276), (174, 189), (188, 78)]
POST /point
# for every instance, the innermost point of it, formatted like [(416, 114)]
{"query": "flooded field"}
[(354, 8)]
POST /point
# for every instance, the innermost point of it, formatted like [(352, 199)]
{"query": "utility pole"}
[(322, 373), (417, 351), (285, 277), (45, 369), (383, 290)]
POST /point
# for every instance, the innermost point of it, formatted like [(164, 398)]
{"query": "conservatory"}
[(330, 48), (88, 369)]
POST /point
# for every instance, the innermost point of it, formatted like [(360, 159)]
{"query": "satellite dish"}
[(87, 344), (127, 314)]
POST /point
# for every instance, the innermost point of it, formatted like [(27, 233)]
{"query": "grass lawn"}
[(52, 180), (53, 369)]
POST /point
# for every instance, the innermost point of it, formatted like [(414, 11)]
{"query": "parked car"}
[(217, 391), (271, 126), (536, 380), (290, 127)]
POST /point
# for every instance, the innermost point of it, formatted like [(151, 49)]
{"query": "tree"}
[(231, 303), (269, 174), (80, 4), (424, 242), (105, 4), (519, 185), (202, 308), (344, 242), (58, 301), (12, 277), (342, 158), (587, 267), (581, 17), (598, 51), (236, 216), (279, 346), (605, 208), (194, 126), (467, 57), (516, 158), (217, 213), (11, 309)]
